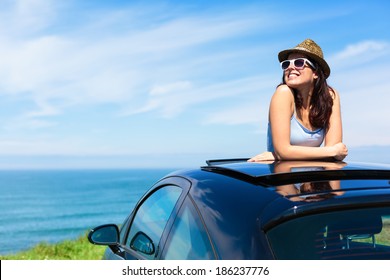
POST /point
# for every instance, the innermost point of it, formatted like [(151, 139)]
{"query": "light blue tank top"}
[(299, 135)]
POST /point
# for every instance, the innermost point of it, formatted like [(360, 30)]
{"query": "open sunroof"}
[(265, 174)]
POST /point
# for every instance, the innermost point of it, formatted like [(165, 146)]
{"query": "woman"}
[(304, 111)]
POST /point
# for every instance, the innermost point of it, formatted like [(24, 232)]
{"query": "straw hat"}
[(310, 49)]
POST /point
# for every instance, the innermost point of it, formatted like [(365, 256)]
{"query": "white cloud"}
[(33, 65), (252, 113), (44, 110), (362, 49), (179, 86), (175, 98), (25, 17), (359, 54), (209, 64), (76, 68), (362, 80)]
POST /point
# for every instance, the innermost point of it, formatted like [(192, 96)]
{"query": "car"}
[(232, 209)]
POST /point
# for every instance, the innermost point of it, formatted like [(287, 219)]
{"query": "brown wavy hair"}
[(321, 102)]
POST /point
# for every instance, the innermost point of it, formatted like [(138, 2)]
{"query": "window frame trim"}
[(190, 201), (177, 181)]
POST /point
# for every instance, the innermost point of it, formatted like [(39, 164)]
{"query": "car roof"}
[(239, 191), (266, 174), (361, 181)]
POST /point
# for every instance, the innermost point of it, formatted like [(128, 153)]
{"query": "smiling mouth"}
[(293, 74)]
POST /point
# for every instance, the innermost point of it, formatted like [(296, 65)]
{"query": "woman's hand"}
[(266, 156), (341, 151)]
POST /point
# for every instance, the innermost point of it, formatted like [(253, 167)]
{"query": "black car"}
[(234, 209)]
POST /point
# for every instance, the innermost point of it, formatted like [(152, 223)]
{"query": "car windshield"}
[(349, 234)]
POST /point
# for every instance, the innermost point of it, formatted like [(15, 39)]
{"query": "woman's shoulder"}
[(283, 87), (333, 93), (284, 90), (283, 96)]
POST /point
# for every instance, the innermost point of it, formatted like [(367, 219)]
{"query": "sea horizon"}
[(368, 154), (55, 205)]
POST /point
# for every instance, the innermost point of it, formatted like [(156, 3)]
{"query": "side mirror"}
[(104, 235), (142, 243)]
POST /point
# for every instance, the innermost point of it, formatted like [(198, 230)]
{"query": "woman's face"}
[(295, 78)]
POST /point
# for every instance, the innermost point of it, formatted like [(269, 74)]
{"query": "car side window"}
[(150, 220), (188, 239)]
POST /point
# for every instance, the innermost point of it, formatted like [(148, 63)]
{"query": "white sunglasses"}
[(299, 63)]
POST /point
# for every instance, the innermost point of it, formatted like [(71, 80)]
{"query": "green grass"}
[(79, 249), (384, 237)]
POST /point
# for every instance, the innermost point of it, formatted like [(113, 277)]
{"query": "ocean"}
[(55, 205)]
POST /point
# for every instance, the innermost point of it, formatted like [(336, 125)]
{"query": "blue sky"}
[(173, 83)]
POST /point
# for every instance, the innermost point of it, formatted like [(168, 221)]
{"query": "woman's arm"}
[(281, 110)]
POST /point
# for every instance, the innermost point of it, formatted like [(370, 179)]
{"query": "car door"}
[(188, 239), (153, 217)]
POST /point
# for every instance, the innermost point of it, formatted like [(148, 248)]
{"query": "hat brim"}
[(283, 55)]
